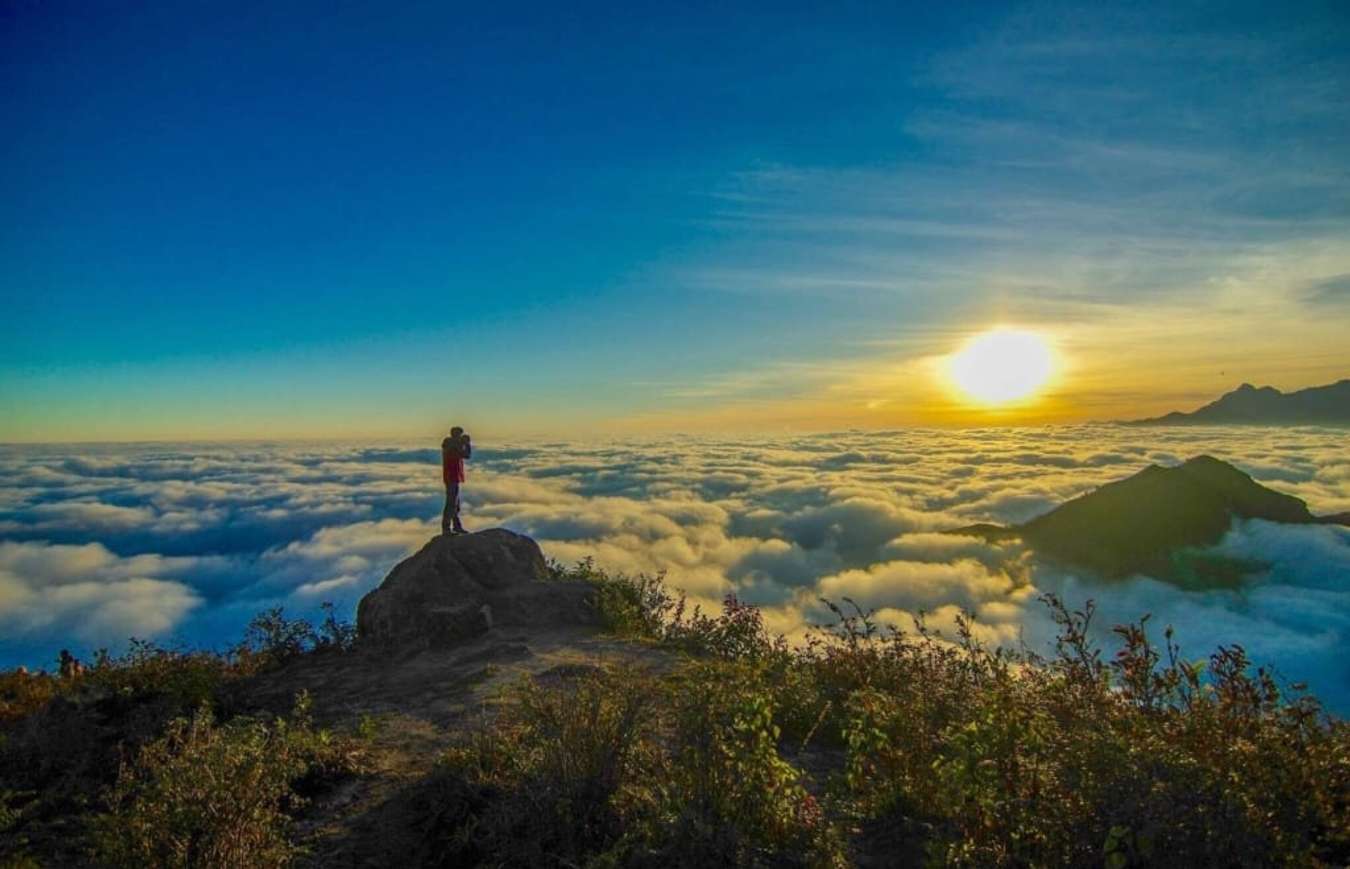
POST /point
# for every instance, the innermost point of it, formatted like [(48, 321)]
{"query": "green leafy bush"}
[(23, 693), (58, 756), (334, 634), (634, 607), (207, 794), (627, 768), (734, 799), (63, 739), (185, 679), (272, 639), (550, 783), (1075, 760), (737, 634)]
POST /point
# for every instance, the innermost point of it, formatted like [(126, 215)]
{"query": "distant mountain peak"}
[(1157, 522), (1266, 405)]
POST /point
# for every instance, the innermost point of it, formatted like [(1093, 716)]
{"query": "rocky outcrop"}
[(461, 586)]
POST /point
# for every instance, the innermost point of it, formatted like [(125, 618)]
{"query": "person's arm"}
[(468, 447)]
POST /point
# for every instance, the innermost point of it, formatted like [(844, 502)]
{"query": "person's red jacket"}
[(452, 460)]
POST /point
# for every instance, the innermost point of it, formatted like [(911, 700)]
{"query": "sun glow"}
[(1002, 365)]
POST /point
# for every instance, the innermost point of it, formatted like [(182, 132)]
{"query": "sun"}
[(1002, 365)]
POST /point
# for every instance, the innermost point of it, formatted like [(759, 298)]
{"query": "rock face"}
[(460, 586)]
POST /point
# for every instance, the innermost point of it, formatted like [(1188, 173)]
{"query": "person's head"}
[(456, 432)]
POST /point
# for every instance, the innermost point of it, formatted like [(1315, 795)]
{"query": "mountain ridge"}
[(1157, 522), (1266, 405)]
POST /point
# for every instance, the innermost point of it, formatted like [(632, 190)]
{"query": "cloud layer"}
[(99, 543)]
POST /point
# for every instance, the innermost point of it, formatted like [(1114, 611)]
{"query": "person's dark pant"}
[(450, 516)]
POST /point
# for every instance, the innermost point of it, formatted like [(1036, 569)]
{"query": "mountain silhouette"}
[(1248, 405), (1157, 522)]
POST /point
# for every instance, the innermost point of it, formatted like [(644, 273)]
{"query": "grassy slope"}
[(678, 737)]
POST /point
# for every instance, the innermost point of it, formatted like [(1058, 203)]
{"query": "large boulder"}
[(460, 586)]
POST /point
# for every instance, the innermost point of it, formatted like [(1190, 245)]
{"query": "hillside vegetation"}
[(867, 746)]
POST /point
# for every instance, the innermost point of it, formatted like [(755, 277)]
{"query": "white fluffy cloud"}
[(191, 540), (88, 594)]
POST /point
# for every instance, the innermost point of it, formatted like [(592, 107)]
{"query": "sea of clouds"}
[(185, 542)]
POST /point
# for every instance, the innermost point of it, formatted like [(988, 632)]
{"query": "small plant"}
[(737, 634), (13, 844), (66, 750), (272, 638), (334, 634), (367, 727), (944, 750), (1076, 760), (634, 607)]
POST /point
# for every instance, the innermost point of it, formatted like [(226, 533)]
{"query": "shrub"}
[(57, 758), (946, 750), (334, 634), (627, 769), (737, 634), (185, 679), (63, 740), (272, 638), (997, 757), (634, 607), (22, 693), (14, 845), (207, 794), (1076, 760), (551, 783), (734, 799)]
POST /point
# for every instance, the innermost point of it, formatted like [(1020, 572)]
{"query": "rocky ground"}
[(412, 691), (413, 705)]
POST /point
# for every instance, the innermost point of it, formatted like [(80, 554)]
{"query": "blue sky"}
[(306, 219)]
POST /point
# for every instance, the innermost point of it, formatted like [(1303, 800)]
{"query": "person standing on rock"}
[(454, 450)]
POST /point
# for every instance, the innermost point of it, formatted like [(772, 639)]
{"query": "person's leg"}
[(451, 509), (454, 510)]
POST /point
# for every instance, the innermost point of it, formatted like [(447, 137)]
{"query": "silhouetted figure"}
[(454, 450), (70, 665)]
